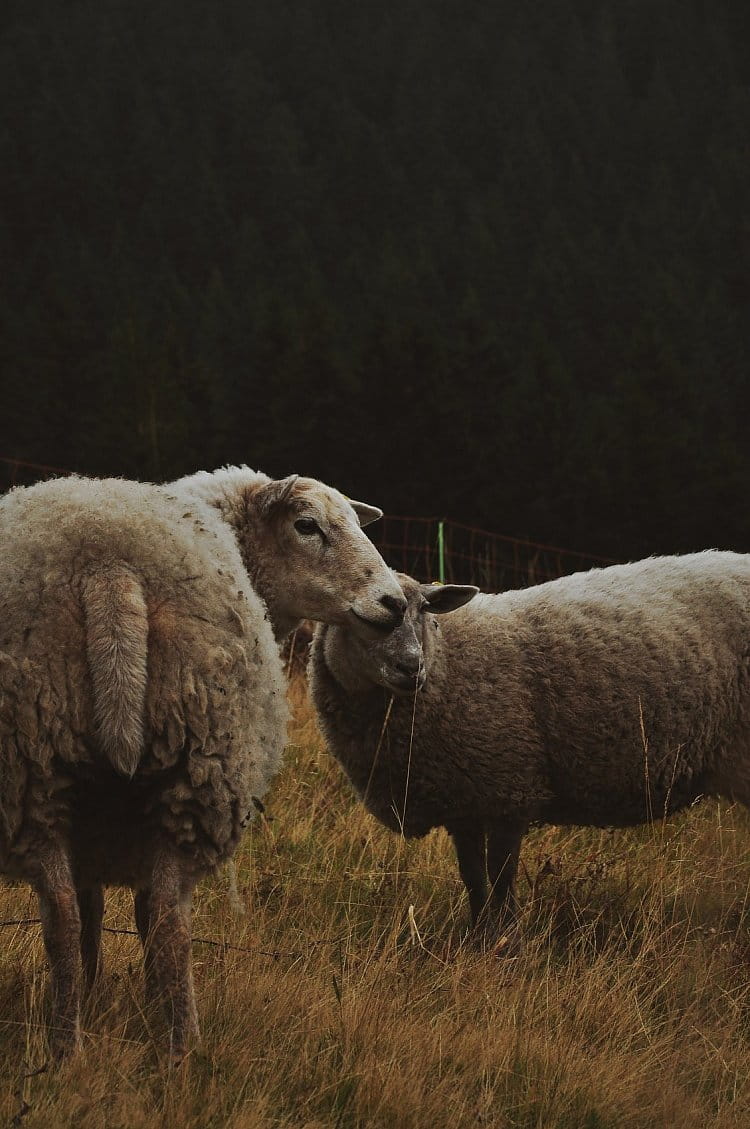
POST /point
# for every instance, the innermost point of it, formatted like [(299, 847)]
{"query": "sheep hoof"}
[(509, 942), (183, 1045), (63, 1045), (502, 939), (178, 1057)]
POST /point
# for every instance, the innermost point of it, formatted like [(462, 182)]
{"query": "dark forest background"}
[(486, 260)]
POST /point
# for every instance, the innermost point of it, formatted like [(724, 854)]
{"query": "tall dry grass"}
[(334, 1007)]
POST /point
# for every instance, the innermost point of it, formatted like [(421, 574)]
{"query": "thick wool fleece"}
[(605, 698), (141, 691)]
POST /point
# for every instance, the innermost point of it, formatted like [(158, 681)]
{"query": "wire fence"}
[(428, 548), (17, 472), (434, 549)]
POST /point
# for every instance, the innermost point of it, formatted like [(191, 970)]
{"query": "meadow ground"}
[(328, 1004)]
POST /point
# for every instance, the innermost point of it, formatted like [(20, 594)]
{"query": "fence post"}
[(441, 552)]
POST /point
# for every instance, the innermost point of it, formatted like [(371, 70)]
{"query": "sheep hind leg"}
[(169, 942), (503, 850), (186, 908), (142, 908), (91, 910), (61, 928), (471, 852)]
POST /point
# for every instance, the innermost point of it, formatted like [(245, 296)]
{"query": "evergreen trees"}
[(490, 259)]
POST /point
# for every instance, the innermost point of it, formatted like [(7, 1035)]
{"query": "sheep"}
[(607, 698), (142, 698)]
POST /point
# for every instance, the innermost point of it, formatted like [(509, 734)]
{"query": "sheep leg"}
[(61, 928), (186, 908), (235, 900), (91, 910), (503, 849), (141, 904), (143, 923), (470, 844), (169, 942)]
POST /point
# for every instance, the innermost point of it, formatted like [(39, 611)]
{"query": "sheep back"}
[(605, 698)]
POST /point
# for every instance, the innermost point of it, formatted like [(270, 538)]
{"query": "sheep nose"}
[(410, 666), (396, 605)]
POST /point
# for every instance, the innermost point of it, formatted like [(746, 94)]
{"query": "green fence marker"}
[(441, 552)]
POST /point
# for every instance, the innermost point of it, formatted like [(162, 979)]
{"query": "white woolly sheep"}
[(607, 698), (142, 700)]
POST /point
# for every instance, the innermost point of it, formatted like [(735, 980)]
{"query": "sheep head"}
[(399, 661), (303, 547)]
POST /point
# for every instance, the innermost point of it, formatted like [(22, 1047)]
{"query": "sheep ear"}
[(273, 494), (447, 597), (365, 513)]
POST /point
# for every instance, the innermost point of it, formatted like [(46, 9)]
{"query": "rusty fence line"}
[(429, 548), (434, 549), (18, 472)]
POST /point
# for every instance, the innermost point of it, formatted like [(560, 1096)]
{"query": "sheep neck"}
[(266, 576)]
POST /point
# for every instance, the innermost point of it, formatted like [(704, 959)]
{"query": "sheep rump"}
[(130, 639)]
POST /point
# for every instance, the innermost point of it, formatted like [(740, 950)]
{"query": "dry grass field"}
[(328, 1005)]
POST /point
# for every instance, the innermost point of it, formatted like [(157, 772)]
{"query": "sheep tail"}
[(116, 645)]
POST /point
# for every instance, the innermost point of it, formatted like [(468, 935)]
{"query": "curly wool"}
[(141, 689)]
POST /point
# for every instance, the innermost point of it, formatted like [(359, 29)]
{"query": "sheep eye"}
[(307, 526)]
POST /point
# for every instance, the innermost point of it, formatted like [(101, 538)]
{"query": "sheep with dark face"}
[(607, 698), (142, 699)]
